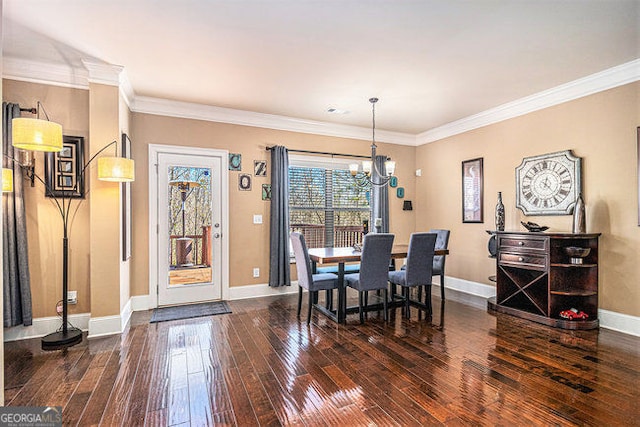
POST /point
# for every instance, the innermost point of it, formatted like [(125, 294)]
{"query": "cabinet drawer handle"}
[(520, 259), (521, 243)]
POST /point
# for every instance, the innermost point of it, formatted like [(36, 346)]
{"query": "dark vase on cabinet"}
[(540, 275)]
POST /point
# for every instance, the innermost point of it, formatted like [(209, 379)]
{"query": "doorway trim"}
[(154, 150)]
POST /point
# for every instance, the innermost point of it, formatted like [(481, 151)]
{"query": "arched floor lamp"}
[(43, 135)]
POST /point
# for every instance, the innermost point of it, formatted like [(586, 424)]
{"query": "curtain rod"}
[(324, 153)]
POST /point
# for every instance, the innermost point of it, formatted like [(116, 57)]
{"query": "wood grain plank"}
[(263, 365)]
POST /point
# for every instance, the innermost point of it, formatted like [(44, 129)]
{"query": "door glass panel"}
[(189, 223)]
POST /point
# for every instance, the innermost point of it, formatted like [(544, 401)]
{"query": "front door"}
[(189, 228)]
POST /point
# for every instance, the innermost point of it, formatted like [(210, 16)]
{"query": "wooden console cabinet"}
[(536, 279)]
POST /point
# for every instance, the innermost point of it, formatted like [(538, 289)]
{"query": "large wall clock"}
[(548, 184)]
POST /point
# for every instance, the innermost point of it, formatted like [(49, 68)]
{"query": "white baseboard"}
[(464, 291), (262, 290), (45, 325), (104, 326), (619, 322), (140, 303), (460, 290)]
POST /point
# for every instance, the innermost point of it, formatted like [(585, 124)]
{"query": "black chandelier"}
[(370, 173)]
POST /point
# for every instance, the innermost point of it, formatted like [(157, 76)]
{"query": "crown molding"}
[(164, 107), (45, 73), (608, 79), (115, 75), (103, 73)]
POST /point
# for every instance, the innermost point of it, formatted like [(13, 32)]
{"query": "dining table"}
[(340, 256)]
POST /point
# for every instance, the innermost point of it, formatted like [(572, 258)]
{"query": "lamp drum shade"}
[(36, 134), (7, 180), (116, 169)]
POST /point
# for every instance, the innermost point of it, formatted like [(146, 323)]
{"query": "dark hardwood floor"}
[(262, 366)]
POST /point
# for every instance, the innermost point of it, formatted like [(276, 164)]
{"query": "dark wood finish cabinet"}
[(537, 278)]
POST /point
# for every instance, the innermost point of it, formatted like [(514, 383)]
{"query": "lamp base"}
[(60, 340)]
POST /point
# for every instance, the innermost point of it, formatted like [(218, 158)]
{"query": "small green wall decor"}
[(393, 181), (400, 192), (266, 191), (235, 162)]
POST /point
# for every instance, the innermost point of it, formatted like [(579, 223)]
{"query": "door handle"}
[(216, 235), (216, 225)]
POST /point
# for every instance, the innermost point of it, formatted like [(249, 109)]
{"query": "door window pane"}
[(189, 225)]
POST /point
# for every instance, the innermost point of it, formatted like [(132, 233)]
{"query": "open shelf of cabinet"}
[(536, 279)]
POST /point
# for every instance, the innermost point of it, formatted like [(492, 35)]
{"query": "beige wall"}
[(601, 129), (70, 108), (249, 243)]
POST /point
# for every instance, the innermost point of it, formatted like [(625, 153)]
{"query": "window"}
[(325, 203)]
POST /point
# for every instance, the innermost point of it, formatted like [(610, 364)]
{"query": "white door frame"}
[(154, 150)]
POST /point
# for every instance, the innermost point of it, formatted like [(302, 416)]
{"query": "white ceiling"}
[(430, 62)]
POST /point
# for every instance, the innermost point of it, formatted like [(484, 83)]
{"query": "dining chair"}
[(374, 269), (442, 242), (418, 270), (311, 282)]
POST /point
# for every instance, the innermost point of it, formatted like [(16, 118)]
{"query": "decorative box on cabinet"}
[(536, 278)]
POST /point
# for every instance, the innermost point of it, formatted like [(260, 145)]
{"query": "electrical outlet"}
[(72, 297), (257, 219), (256, 272)]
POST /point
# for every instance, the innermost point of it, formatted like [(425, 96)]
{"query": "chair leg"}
[(329, 299), (419, 293), (366, 299), (442, 285), (384, 303), (360, 311), (427, 301), (299, 299), (407, 310), (312, 297)]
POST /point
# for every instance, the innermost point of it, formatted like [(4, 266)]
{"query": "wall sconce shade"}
[(36, 134), (7, 180), (116, 169), (407, 205)]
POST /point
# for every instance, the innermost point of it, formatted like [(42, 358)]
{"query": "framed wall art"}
[(125, 149), (244, 182), (260, 167), (63, 173), (266, 192), (472, 190), (235, 161)]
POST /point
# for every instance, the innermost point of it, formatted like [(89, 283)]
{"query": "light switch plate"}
[(257, 219), (256, 272), (418, 172)]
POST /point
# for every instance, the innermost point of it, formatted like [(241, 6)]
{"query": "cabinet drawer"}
[(529, 243), (526, 261)]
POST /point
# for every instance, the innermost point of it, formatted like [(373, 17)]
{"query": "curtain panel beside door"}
[(15, 259)]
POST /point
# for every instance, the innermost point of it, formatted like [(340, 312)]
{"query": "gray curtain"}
[(279, 270), (379, 198), (15, 260)]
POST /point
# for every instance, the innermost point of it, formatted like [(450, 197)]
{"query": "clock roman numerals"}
[(548, 184)]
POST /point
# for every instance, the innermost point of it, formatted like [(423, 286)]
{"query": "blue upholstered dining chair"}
[(419, 268), (374, 268), (311, 282), (442, 242)]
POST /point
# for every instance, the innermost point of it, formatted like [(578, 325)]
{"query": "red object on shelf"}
[(573, 314)]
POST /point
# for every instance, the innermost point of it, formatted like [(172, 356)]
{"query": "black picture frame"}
[(125, 191), (473, 191), (63, 171)]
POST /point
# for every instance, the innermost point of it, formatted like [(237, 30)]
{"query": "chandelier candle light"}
[(369, 166), (43, 135)]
